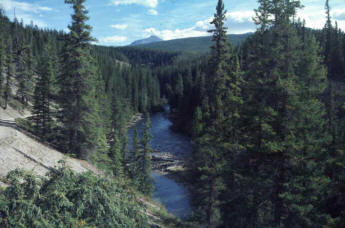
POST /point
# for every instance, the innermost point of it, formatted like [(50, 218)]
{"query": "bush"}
[(66, 199)]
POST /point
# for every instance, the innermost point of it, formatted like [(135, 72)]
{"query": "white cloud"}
[(113, 39), (9, 5), (30, 19), (205, 24), (242, 20), (238, 22), (27, 12), (175, 34), (152, 12), (119, 26), (240, 16), (315, 17), (147, 3)]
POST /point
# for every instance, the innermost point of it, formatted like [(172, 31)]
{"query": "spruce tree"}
[(328, 34), (219, 140), (77, 99), (42, 96), (2, 67), (133, 158), (308, 180), (25, 71), (285, 121), (10, 73), (144, 159), (116, 155)]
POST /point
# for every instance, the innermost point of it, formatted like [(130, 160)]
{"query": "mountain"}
[(199, 45), (151, 39)]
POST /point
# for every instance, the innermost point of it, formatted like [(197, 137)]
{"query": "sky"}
[(120, 22)]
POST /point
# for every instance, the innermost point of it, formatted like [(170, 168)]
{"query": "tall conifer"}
[(10, 73), (146, 185), (42, 96), (78, 102)]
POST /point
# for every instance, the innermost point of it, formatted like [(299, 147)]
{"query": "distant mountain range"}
[(151, 39), (198, 45)]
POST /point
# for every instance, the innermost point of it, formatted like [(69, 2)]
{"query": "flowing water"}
[(172, 195)]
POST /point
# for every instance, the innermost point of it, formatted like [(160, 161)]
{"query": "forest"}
[(265, 112)]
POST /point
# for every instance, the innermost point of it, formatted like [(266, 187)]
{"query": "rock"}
[(165, 162)]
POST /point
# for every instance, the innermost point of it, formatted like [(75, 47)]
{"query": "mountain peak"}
[(151, 39)]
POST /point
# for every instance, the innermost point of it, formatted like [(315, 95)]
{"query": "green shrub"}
[(66, 199)]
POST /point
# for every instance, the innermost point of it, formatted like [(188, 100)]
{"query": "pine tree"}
[(78, 101), (117, 140), (24, 72), (197, 123), (134, 160), (144, 160), (328, 33), (42, 96), (116, 154), (2, 67), (179, 89), (308, 180), (286, 141), (9, 74), (218, 142)]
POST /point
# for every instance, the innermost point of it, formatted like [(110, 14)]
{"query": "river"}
[(173, 195)]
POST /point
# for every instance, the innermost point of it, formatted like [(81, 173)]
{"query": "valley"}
[(221, 129)]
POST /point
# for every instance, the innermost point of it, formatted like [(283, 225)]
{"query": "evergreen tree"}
[(9, 74), (134, 160), (144, 159), (2, 67), (328, 33), (77, 80), (286, 142), (42, 96), (24, 72), (116, 154), (219, 141), (179, 89)]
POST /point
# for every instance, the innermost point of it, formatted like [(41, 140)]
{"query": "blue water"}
[(164, 139), (171, 194)]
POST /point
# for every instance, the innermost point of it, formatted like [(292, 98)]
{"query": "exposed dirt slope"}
[(18, 150), (12, 114)]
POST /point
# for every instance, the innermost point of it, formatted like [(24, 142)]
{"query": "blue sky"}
[(120, 22)]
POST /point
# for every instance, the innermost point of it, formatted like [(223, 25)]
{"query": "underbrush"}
[(66, 199)]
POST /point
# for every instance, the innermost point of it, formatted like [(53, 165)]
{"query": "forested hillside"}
[(195, 45)]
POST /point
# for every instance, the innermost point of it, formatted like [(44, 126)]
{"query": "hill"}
[(198, 45)]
